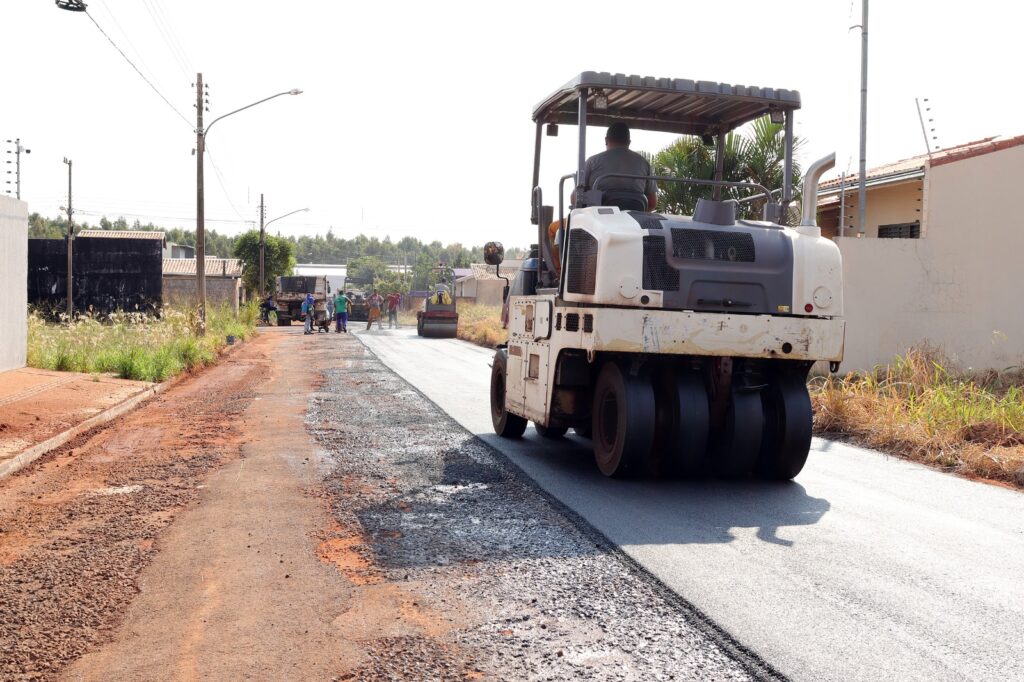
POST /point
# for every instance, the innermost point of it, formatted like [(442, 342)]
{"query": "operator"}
[(617, 158)]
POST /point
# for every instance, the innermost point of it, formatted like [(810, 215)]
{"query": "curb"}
[(36, 451), (26, 457)]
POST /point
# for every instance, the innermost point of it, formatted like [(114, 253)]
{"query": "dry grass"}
[(921, 409), (481, 324)]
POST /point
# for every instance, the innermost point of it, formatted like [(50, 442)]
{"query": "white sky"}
[(416, 115)]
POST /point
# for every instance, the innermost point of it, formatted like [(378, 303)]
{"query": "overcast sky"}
[(416, 115)]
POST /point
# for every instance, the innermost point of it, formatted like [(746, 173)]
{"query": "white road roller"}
[(680, 345)]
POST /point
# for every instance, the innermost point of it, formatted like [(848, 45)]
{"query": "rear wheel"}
[(740, 440), (623, 421), (552, 432), (683, 415), (284, 321), (787, 428), (505, 423)]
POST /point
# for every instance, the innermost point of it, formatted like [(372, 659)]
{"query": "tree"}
[(279, 258), (365, 270), (756, 156)]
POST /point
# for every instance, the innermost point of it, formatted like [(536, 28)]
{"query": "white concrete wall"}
[(13, 282), (959, 287)]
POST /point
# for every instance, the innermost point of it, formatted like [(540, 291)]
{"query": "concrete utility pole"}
[(200, 210), (263, 280), (861, 190), (18, 149), (71, 241)]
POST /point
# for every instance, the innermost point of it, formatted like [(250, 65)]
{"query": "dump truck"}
[(680, 345), (290, 292), (439, 317)]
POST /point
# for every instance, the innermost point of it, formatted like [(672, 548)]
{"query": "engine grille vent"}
[(582, 274), (658, 274), (572, 322), (712, 245)]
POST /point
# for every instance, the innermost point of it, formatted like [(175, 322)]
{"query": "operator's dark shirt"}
[(618, 160)]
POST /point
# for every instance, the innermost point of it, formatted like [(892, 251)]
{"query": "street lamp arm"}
[(267, 224), (294, 91)]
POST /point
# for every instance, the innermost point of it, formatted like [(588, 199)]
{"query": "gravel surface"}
[(78, 526), (504, 582)]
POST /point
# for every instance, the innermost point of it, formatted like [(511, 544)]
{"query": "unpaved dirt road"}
[(865, 568), (300, 512)]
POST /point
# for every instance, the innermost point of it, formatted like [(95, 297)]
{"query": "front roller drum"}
[(787, 428), (505, 423), (623, 417), (739, 441), (438, 328)]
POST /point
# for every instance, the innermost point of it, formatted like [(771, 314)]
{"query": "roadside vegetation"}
[(136, 346), (922, 409), (481, 324)]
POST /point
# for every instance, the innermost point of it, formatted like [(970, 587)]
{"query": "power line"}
[(220, 181), (173, 34), (164, 36), (142, 75)]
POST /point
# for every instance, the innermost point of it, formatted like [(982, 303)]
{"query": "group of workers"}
[(338, 308)]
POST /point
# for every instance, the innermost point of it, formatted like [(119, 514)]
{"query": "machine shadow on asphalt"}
[(669, 511)]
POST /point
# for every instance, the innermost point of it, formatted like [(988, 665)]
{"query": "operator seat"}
[(625, 199)]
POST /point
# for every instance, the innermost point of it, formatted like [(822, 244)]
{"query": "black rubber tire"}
[(683, 423), (739, 443), (788, 424), (552, 432), (623, 421), (419, 327), (506, 424), (284, 321)]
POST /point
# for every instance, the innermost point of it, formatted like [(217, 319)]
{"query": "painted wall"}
[(887, 205), (13, 274), (109, 274), (958, 287)]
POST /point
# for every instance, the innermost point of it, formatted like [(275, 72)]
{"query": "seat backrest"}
[(626, 200)]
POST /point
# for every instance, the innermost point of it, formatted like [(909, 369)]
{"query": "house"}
[(223, 282), (938, 258), (172, 250), (483, 286), (13, 274)]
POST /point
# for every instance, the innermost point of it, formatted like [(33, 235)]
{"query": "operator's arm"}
[(652, 202)]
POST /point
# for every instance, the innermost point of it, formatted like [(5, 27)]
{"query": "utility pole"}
[(263, 281), (18, 149), (861, 190), (200, 210), (71, 241)]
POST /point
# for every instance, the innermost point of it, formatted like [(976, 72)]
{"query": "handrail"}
[(692, 181)]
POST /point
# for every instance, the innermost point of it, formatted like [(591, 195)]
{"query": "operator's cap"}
[(618, 132)]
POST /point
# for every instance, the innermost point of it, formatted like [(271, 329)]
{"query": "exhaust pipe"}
[(809, 204)]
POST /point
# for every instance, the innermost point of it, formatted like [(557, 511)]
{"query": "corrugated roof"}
[(912, 168), (215, 267), (671, 105), (483, 271), (123, 234)]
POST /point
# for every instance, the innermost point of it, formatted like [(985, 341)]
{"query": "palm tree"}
[(756, 156)]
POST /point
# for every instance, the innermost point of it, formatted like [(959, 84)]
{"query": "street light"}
[(201, 134), (263, 283)]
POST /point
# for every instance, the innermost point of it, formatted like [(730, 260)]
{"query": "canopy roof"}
[(670, 105)]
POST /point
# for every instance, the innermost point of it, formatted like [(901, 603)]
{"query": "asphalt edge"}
[(26, 457), (749, 660)]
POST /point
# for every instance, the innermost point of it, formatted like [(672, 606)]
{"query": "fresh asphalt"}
[(866, 567)]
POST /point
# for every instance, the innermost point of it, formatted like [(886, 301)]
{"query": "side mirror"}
[(494, 253), (552, 130)]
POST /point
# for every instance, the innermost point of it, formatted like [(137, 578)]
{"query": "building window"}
[(900, 231)]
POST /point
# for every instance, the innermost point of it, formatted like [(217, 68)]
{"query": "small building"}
[(223, 282), (336, 274), (939, 256), (172, 250), (482, 285), (13, 274)]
